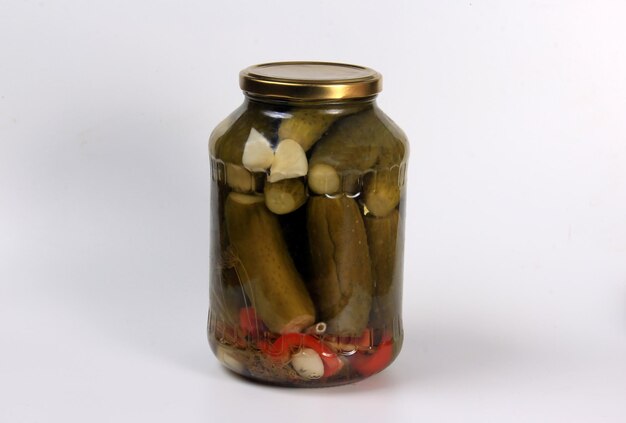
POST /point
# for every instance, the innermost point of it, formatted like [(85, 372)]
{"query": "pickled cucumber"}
[(305, 126), (382, 235), (239, 178), (342, 279), (354, 147), (264, 266), (285, 196), (347, 146), (324, 179), (381, 191), (382, 188)]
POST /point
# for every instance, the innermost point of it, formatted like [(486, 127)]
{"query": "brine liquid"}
[(244, 344)]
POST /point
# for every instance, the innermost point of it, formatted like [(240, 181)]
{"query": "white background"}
[(515, 288)]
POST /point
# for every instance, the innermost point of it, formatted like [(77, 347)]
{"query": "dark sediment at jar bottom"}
[(270, 358)]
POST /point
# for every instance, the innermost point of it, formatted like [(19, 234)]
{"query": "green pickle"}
[(342, 282), (306, 270), (305, 126), (348, 149), (382, 238), (264, 266), (285, 196)]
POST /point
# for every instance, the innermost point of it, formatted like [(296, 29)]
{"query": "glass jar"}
[(307, 227)]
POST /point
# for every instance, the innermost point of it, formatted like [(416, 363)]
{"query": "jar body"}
[(307, 236)]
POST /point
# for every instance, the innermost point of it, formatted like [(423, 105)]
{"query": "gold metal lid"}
[(310, 81)]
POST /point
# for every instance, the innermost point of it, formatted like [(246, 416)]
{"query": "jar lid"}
[(310, 81)]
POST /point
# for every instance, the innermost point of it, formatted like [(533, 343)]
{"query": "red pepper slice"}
[(362, 341), (368, 364), (249, 321), (365, 341), (283, 347)]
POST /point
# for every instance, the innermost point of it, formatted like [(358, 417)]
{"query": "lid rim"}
[(299, 80)]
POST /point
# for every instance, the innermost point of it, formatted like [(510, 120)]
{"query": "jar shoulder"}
[(398, 135), (353, 129), (228, 139), (223, 127)]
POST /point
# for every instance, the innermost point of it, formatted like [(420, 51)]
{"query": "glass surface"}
[(307, 235)]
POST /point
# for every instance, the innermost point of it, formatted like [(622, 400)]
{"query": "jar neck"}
[(353, 102)]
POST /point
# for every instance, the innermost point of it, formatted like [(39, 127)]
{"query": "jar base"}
[(261, 362)]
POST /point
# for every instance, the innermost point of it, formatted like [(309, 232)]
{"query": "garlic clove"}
[(257, 153), (308, 364), (289, 161), (228, 360)]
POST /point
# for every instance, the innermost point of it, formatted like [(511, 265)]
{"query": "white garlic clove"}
[(289, 161), (257, 153), (228, 360), (308, 364)]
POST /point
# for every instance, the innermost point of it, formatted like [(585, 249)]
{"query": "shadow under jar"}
[(307, 227)]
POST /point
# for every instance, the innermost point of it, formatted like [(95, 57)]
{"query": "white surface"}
[(515, 290)]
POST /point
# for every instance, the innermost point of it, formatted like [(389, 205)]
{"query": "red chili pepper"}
[(365, 341), (249, 321), (288, 343), (369, 363)]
